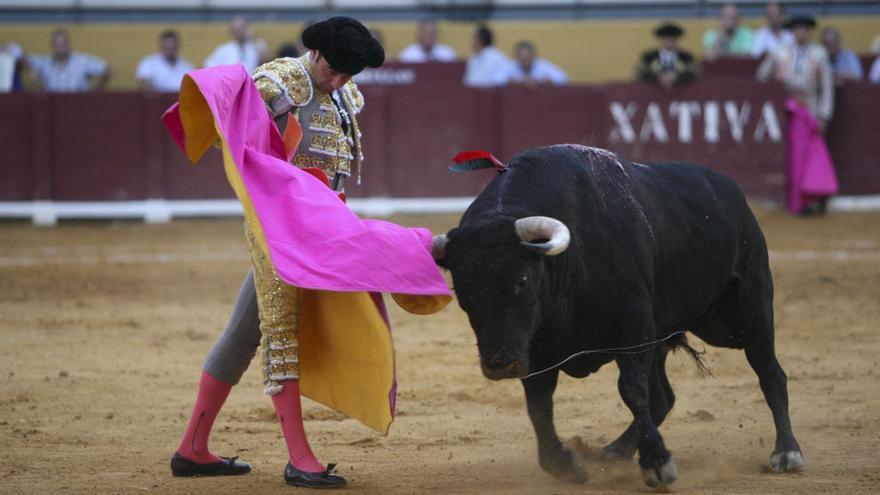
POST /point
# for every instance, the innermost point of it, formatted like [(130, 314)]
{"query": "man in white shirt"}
[(241, 50), (487, 66), (163, 71), (531, 71), (10, 58), (426, 48), (874, 74), (67, 71), (804, 68), (772, 36)]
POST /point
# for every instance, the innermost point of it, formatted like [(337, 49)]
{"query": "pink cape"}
[(314, 240), (810, 170)]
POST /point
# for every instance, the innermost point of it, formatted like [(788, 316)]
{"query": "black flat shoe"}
[(295, 477), (181, 466)]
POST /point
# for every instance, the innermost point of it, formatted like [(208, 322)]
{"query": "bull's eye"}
[(521, 284)]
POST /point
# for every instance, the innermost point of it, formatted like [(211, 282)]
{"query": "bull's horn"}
[(438, 246), (555, 232)]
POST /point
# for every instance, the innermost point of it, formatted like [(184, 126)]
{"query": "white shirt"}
[(874, 75), (805, 69), (163, 76), (766, 41), (71, 76), (487, 68), (233, 53), (9, 55), (415, 54), (542, 70)]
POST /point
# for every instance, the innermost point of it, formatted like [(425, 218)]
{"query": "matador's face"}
[(327, 79)]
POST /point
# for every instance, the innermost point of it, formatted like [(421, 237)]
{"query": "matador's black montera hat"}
[(347, 44)]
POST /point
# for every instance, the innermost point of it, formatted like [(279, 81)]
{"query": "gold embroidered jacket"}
[(331, 137)]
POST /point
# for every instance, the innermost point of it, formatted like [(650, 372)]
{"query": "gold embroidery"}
[(268, 89), (292, 74), (325, 121), (312, 161), (343, 166), (278, 308), (323, 143), (326, 102)]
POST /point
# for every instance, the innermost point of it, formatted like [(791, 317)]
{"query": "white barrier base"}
[(854, 203), (48, 213)]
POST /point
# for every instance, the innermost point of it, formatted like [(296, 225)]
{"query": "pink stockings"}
[(213, 393), (289, 410)]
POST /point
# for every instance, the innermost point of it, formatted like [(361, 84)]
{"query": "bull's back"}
[(704, 236)]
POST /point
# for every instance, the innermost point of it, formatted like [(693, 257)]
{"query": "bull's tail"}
[(680, 342)]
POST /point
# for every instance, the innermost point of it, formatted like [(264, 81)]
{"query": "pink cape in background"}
[(810, 170)]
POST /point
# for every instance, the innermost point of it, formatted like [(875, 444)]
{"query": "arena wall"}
[(112, 147), (589, 50)]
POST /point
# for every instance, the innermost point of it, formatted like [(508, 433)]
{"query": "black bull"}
[(646, 251)]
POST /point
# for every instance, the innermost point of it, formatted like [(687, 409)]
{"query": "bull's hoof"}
[(790, 461), (661, 476), (564, 465)]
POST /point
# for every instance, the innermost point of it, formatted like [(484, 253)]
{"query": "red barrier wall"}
[(854, 138), (112, 146)]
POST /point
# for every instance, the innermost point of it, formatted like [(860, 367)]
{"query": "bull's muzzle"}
[(499, 368)]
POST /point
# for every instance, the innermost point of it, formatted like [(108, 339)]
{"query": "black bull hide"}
[(653, 250)]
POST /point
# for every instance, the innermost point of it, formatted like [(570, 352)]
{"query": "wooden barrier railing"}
[(112, 147)]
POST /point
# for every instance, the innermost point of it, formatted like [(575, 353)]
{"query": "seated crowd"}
[(668, 65)]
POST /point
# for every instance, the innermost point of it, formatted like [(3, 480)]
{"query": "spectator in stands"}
[(874, 75), (164, 70), (530, 71), (804, 68), (668, 65), (730, 38), (11, 56), (875, 45), (243, 49), (487, 66), (426, 48), (771, 36), (67, 71), (844, 62), (806, 72)]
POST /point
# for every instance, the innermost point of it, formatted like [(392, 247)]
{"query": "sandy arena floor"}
[(103, 327)]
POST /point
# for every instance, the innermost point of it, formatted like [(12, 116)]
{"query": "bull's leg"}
[(756, 319), (661, 398), (553, 457), (658, 468)]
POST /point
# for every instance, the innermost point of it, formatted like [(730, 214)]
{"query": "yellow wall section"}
[(589, 51)]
